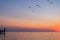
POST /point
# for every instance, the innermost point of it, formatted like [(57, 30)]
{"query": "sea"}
[(31, 36)]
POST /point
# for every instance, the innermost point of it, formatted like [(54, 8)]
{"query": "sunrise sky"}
[(43, 14)]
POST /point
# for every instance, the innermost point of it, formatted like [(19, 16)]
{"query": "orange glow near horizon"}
[(30, 24)]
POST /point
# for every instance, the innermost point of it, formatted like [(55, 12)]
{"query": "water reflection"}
[(2, 36), (32, 36)]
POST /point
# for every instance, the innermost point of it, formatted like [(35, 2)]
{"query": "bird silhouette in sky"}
[(51, 2), (38, 6), (48, 0), (29, 7)]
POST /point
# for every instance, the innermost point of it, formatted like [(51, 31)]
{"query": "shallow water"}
[(31, 36)]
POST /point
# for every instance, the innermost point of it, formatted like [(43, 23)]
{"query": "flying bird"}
[(37, 5), (48, 0), (51, 2), (29, 7)]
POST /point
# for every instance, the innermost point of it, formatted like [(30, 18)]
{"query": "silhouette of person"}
[(4, 31)]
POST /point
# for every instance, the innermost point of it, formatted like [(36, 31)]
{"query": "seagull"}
[(48, 0), (37, 5), (51, 2), (29, 7)]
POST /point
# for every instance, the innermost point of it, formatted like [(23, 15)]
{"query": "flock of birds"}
[(39, 6)]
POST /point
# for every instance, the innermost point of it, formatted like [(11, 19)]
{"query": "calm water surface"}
[(31, 36)]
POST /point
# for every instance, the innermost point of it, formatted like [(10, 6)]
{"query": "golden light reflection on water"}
[(32, 36)]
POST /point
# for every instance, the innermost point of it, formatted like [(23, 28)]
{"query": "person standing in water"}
[(4, 31)]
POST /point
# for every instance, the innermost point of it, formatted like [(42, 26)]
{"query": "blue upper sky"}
[(20, 8)]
